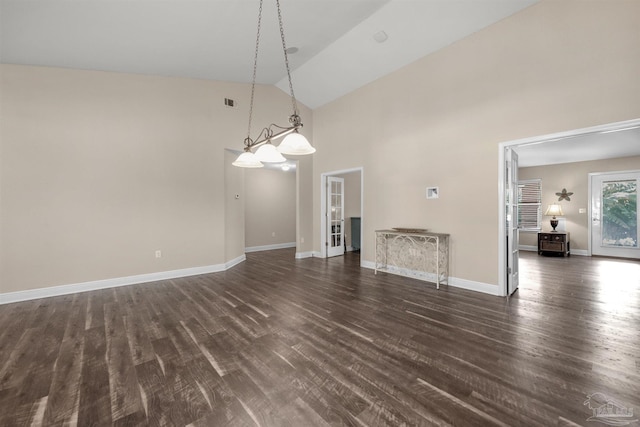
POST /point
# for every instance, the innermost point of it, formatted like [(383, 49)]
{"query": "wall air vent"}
[(228, 102)]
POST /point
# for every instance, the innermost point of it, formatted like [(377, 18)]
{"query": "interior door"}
[(335, 216), (614, 214), (513, 233)]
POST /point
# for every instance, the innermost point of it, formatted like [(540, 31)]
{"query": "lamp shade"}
[(296, 145), (269, 154), (247, 160), (553, 210)]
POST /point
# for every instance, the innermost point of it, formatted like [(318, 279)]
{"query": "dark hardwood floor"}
[(283, 342)]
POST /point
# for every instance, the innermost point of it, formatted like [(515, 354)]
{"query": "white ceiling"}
[(215, 39), (581, 148)]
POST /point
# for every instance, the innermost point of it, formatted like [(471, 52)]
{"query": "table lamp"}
[(552, 211)]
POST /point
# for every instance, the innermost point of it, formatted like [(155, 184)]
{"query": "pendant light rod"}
[(267, 135), (294, 143), (286, 60), (255, 71)]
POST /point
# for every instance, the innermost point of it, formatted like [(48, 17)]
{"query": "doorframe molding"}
[(502, 250), (323, 204)]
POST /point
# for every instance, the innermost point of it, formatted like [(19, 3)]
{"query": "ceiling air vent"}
[(228, 102)]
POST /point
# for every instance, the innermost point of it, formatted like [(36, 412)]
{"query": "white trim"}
[(580, 252), (53, 291), (227, 265), (270, 247), (302, 255), (470, 285), (529, 248), (317, 254), (502, 250)]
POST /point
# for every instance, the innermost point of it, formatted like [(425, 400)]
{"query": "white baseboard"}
[(270, 247), (317, 254), (472, 285), (528, 248), (53, 291), (367, 264), (301, 255), (227, 265), (485, 288)]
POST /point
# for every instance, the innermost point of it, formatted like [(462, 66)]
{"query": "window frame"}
[(538, 226)]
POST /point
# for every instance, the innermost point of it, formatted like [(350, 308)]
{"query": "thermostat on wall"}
[(432, 192)]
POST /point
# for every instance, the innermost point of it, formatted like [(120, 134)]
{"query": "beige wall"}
[(304, 214), (100, 170), (556, 66), (234, 230), (575, 178), (270, 207)]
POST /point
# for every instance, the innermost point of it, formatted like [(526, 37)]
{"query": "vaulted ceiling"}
[(215, 39)]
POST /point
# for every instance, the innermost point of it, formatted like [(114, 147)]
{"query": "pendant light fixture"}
[(294, 143)]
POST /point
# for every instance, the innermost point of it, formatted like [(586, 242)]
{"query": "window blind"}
[(529, 204)]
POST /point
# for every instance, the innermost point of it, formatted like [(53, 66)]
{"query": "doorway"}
[(341, 211), (504, 156), (270, 207)]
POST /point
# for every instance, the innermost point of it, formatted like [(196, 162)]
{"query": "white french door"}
[(614, 214), (511, 215), (335, 216)]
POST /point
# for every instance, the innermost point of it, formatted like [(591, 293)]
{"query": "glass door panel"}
[(614, 211)]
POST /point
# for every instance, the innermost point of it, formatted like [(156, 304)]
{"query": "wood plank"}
[(63, 397), (123, 386), (95, 397)]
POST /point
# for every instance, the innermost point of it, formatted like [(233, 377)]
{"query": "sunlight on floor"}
[(619, 283)]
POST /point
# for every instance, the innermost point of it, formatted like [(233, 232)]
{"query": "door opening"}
[(341, 214), (504, 155)]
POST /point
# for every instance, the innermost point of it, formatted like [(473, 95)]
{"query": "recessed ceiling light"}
[(380, 36), (292, 50)]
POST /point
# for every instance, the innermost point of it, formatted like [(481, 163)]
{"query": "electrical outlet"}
[(158, 254), (582, 210), (302, 240), (273, 234)]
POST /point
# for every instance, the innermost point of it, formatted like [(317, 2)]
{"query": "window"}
[(529, 204)]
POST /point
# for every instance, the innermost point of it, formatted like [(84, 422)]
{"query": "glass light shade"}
[(269, 154), (296, 145), (247, 160), (553, 210)]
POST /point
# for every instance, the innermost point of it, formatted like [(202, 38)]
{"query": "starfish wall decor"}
[(564, 195)]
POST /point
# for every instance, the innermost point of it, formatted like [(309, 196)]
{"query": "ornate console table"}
[(423, 255)]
